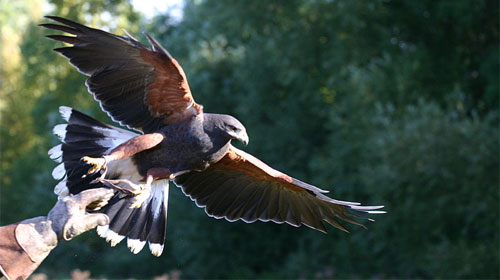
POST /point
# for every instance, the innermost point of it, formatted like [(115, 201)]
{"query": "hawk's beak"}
[(240, 136), (243, 137)]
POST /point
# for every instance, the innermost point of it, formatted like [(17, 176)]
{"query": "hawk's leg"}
[(124, 150), (151, 175), (126, 185)]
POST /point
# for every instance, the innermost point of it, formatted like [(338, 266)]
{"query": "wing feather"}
[(241, 186), (263, 206), (136, 86)]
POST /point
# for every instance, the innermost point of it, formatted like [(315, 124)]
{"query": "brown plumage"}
[(125, 74), (147, 90)]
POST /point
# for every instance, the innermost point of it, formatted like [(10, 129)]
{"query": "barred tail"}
[(85, 136)]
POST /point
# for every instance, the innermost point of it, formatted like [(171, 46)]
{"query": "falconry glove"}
[(38, 236)]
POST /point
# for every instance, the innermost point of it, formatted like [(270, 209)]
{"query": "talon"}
[(97, 180), (140, 197), (97, 164), (114, 184), (135, 192)]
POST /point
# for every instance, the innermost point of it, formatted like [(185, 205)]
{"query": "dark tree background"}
[(382, 102)]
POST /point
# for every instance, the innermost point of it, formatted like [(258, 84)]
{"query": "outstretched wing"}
[(241, 186), (138, 87)]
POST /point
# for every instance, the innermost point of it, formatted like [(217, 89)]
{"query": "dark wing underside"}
[(138, 87), (241, 186)]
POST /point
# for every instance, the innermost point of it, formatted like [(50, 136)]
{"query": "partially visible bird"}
[(147, 90)]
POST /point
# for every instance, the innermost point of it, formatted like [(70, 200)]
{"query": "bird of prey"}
[(146, 90)]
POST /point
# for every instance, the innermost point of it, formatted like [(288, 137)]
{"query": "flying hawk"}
[(146, 90)]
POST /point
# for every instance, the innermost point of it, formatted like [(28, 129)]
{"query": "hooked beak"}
[(244, 138), (240, 136)]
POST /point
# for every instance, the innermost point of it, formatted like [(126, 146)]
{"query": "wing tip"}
[(52, 17), (320, 229), (61, 38), (376, 212), (156, 46), (67, 25), (368, 209), (64, 21), (61, 50)]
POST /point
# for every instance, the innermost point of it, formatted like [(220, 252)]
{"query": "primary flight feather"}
[(146, 90)]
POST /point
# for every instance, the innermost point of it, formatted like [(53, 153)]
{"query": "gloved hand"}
[(68, 218)]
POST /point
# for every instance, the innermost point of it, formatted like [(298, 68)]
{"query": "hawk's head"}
[(236, 130), (229, 127)]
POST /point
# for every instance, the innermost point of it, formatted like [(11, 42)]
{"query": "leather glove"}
[(68, 218)]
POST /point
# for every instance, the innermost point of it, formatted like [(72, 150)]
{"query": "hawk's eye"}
[(232, 128)]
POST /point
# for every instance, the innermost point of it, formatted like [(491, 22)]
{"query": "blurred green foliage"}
[(382, 102)]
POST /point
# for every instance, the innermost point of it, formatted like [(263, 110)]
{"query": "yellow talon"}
[(140, 197), (97, 164)]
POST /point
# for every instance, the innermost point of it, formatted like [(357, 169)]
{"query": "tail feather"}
[(140, 223), (158, 229), (123, 225), (116, 203), (147, 223), (85, 136)]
